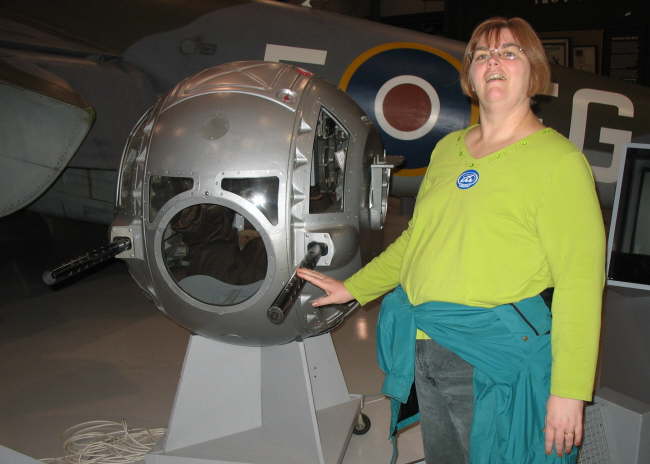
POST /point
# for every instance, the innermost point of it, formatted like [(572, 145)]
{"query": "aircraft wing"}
[(43, 123), (68, 107)]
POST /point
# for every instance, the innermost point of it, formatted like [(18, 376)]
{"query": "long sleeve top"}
[(500, 229)]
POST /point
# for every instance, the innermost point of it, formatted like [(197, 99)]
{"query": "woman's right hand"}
[(336, 293)]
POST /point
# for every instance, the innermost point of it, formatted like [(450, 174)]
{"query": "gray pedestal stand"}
[(10, 456), (273, 405)]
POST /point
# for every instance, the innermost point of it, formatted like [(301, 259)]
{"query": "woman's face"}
[(500, 72)]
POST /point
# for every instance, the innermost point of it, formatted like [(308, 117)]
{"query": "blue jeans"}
[(443, 382)]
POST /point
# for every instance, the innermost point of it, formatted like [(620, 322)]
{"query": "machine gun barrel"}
[(86, 261), (278, 311)]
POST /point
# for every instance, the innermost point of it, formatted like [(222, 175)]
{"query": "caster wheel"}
[(362, 429)]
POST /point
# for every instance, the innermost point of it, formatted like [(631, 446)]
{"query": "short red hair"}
[(490, 30)]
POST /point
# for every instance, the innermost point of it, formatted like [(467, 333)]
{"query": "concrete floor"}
[(98, 349)]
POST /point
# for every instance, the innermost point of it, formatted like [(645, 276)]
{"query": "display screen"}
[(629, 259)]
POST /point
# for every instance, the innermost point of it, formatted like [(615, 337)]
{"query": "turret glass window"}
[(164, 188), (262, 192), (214, 254), (329, 156)]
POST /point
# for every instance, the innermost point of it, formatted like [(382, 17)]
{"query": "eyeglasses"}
[(510, 52)]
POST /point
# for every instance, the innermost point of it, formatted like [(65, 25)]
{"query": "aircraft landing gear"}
[(362, 426)]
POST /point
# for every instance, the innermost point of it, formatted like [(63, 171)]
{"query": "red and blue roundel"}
[(412, 93)]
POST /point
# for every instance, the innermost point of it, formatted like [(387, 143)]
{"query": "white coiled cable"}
[(106, 442)]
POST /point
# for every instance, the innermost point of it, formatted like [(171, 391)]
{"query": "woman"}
[(506, 210)]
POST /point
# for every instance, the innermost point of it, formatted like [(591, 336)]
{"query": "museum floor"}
[(98, 349)]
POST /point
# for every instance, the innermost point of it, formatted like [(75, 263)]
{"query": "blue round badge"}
[(467, 179)]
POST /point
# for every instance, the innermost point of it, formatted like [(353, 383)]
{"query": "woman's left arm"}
[(571, 231), (563, 426)]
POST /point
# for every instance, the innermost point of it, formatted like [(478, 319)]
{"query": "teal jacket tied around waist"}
[(509, 347)]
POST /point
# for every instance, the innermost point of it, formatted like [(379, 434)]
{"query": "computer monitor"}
[(628, 246)]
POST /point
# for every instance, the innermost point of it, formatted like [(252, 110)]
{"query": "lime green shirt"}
[(530, 221)]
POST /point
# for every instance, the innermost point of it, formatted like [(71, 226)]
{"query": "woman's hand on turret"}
[(336, 293)]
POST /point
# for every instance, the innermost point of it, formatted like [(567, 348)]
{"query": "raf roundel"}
[(413, 110), (467, 179)]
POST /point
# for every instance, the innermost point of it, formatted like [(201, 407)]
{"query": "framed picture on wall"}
[(624, 57), (584, 58), (557, 51)]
